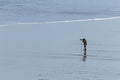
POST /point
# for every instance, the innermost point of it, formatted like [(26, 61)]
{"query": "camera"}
[(81, 39)]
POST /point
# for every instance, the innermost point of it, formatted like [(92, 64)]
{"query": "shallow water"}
[(54, 51)]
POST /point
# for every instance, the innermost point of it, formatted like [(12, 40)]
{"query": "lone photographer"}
[(84, 41)]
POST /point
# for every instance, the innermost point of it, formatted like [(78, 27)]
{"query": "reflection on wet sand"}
[(84, 55)]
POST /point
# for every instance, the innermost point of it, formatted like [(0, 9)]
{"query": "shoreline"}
[(64, 21)]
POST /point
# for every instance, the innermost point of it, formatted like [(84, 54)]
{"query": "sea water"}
[(14, 11)]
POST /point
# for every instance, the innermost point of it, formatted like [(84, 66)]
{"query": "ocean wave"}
[(3, 26), (65, 21), (115, 10), (69, 21)]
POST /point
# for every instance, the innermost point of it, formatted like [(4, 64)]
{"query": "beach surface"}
[(53, 51)]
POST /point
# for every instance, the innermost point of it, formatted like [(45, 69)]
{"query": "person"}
[(84, 41)]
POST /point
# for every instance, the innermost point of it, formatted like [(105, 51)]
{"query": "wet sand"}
[(53, 51)]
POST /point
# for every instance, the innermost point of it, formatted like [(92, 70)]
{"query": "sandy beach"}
[(53, 51)]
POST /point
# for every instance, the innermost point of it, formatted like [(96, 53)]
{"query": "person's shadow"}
[(84, 55)]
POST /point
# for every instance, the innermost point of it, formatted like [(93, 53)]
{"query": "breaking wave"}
[(66, 21), (69, 21)]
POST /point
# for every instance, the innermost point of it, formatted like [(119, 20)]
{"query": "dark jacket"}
[(84, 41)]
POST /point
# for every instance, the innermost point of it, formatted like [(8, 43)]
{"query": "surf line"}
[(69, 21), (66, 21)]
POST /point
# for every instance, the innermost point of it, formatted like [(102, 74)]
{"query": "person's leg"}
[(84, 51), (84, 46)]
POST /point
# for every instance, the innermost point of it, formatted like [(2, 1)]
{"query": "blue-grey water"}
[(13, 11)]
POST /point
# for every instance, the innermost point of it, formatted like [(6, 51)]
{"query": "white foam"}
[(3, 26), (66, 21), (69, 21)]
